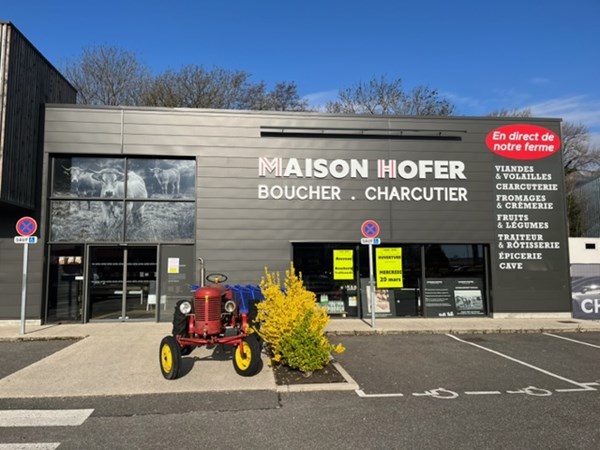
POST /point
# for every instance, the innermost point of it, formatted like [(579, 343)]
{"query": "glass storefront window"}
[(316, 264), (170, 222), (165, 179), (97, 205), (442, 280), (97, 222), (455, 280), (96, 199)]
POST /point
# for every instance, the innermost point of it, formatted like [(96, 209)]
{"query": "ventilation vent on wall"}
[(355, 133)]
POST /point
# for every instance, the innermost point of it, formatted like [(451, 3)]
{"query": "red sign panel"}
[(523, 141), (26, 226), (370, 229)]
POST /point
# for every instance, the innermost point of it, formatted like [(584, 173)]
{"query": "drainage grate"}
[(567, 321)]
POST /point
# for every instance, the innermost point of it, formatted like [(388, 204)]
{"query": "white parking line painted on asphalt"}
[(36, 446), (43, 417), (440, 392), (532, 390), (574, 390), (572, 340), (362, 394), (482, 392), (523, 363)]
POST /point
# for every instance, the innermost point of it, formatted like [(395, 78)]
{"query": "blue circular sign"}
[(26, 226), (370, 229)]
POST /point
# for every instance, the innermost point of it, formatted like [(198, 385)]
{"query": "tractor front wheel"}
[(246, 358), (187, 350), (170, 357)]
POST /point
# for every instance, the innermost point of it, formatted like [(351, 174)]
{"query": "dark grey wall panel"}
[(27, 81), (11, 270)]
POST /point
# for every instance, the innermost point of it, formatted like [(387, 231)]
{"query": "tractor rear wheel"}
[(246, 358), (170, 357)]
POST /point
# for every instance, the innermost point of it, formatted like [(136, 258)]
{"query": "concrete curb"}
[(40, 338), (452, 331), (348, 385), (358, 333)]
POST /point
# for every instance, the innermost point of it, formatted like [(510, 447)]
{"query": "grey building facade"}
[(27, 82), (470, 212)]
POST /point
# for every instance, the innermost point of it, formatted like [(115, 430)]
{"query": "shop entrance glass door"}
[(122, 283), (65, 284)]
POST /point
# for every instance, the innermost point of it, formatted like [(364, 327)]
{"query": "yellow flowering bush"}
[(292, 324)]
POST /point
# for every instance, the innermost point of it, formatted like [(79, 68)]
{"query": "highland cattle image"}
[(113, 199)]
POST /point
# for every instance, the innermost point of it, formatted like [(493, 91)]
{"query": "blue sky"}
[(482, 55)]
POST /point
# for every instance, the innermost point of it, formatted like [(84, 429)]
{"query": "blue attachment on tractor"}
[(245, 295)]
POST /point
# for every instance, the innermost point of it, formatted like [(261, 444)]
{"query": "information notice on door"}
[(450, 297), (173, 265), (343, 264), (389, 267)]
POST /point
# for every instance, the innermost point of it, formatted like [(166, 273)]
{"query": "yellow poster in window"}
[(343, 264), (389, 267)]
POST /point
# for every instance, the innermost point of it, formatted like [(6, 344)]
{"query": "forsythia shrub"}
[(306, 348), (292, 324)]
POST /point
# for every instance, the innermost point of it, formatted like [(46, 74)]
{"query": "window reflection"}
[(454, 280), (451, 259)]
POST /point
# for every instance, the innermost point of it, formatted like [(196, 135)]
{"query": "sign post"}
[(26, 227), (370, 230)]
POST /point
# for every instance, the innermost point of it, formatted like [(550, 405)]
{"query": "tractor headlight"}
[(185, 308), (230, 306)]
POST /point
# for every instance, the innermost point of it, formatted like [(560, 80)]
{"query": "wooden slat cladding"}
[(27, 82)]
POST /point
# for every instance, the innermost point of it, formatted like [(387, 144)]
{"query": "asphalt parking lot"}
[(17, 355), (453, 366)]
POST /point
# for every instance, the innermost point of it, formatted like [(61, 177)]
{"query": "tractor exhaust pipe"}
[(202, 270)]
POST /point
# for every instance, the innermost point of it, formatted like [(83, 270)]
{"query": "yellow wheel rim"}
[(243, 363), (166, 358)]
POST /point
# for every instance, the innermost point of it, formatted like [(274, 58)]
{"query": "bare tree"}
[(578, 152), (423, 101), (285, 97), (581, 161), (197, 87), (380, 96), (113, 76), (107, 76), (515, 112)]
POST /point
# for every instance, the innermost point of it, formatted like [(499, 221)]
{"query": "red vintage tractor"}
[(213, 317)]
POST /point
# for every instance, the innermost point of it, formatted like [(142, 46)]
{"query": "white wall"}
[(578, 254)]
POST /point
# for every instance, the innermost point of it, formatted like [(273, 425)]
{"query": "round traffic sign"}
[(26, 226), (370, 229)]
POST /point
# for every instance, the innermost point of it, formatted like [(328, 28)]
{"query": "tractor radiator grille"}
[(212, 313)]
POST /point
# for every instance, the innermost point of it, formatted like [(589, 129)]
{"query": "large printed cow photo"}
[(95, 199), (113, 186)]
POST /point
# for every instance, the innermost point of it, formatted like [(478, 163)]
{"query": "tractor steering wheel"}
[(216, 278)]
